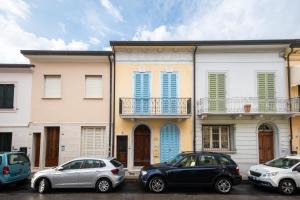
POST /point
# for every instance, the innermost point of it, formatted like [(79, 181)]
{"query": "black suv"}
[(192, 169)]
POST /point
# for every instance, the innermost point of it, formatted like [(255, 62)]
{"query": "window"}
[(216, 92), (188, 161), (7, 96), (93, 86), (169, 82), (5, 141), (266, 91), (225, 161), (52, 87), (93, 164), (217, 138), (93, 141), (73, 165), (207, 160), (115, 163), (17, 159)]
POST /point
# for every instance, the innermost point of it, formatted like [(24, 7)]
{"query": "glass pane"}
[(206, 137), (224, 137), (189, 161), (207, 160), (215, 140)]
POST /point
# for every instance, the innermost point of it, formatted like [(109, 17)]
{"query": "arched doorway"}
[(169, 142), (265, 142), (142, 145)]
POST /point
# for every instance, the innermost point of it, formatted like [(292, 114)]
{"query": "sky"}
[(91, 24)]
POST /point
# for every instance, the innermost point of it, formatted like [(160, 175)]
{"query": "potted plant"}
[(247, 108)]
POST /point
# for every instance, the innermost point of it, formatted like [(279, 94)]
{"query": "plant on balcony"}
[(247, 108)]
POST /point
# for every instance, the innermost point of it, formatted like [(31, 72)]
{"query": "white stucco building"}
[(15, 105), (242, 101)]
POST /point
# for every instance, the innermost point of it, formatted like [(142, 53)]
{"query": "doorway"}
[(52, 146), (5, 142), (142, 145), (37, 145), (266, 143), (122, 146)]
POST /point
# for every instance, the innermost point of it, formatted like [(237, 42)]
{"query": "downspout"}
[(289, 95), (194, 98), (114, 103), (110, 104)]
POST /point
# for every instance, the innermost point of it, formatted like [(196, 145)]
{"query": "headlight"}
[(271, 174), (143, 173)]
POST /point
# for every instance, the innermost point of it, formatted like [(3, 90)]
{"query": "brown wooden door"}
[(52, 146), (141, 146), (266, 146), (37, 144), (122, 146)]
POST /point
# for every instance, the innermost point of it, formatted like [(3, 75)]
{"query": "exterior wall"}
[(240, 68), (295, 79), (155, 62), (72, 111), (17, 120)]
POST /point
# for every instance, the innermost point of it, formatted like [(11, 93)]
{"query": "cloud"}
[(14, 8), (94, 41), (111, 9), (231, 19), (13, 37)]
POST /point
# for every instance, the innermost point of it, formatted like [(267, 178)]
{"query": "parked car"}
[(15, 167), (281, 173), (192, 169), (101, 174)]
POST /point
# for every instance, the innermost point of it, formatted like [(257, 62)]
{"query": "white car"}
[(282, 173), (101, 174)]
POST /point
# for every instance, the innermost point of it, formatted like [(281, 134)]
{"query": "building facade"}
[(242, 102), (153, 103), (294, 66), (15, 104), (70, 105)]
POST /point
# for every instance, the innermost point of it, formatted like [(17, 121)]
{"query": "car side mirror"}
[(59, 168)]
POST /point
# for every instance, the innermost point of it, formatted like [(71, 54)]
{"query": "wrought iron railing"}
[(248, 105), (155, 106)]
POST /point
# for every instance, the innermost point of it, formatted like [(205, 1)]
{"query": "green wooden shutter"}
[(266, 92), (216, 92)]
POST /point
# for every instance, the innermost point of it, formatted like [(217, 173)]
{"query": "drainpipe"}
[(110, 104), (194, 98), (114, 96), (289, 95)]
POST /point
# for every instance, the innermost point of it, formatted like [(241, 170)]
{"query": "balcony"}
[(178, 108), (248, 106)]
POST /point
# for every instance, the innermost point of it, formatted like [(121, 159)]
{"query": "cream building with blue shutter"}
[(153, 102), (242, 101)]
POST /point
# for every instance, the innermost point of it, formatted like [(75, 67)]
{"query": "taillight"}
[(237, 170), (5, 170), (114, 171)]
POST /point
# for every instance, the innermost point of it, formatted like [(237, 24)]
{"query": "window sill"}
[(50, 98), (8, 110), (93, 98)]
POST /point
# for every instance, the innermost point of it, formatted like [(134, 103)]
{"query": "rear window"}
[(225, 160), (115, 163), (17, 159)]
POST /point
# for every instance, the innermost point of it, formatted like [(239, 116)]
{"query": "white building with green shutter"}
[(242, 104)]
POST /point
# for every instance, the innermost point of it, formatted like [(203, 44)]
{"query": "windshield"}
[(284, 163), (175, 159)]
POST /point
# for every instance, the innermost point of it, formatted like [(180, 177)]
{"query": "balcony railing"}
[(155, 107), (248, 105)]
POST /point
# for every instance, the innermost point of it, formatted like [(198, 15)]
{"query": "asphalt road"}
[(131, 190)]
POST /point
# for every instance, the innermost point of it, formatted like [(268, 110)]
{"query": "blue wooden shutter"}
[(173, 93), (165, 92), (146, 92), (138, 92), (169, 142)]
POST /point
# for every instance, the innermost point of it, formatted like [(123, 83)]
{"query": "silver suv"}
[(101, 174)]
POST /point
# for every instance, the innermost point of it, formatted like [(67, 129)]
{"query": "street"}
[(130, 190)]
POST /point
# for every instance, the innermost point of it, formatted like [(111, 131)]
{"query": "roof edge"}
[(22, 66), (65, 53), (204, 42)]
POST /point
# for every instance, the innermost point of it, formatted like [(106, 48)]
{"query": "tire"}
[(43, 186), (157, 184), (287, 187), (223, 185), (103, 185)]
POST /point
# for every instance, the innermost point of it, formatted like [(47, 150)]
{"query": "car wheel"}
[(223, 185), (157, 184), (103, 185), (43, 186), (287, 187)]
